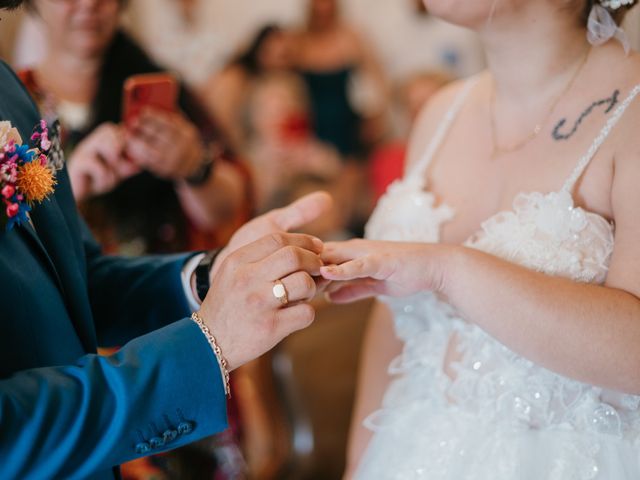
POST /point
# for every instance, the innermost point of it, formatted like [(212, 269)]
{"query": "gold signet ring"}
[(280, 292)]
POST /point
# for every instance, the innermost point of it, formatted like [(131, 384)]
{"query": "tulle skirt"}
[(436, 442)]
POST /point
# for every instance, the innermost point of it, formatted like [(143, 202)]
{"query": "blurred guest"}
[(225, 93), (161, 184), (164, 182), (387, 161), (329, 53), (10, 31), (331, 225), (179, 34), (282, 145)]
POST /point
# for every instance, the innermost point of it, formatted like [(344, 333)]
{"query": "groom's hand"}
[(241, 309), (291, 217)]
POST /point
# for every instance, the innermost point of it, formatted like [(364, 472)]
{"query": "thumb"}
[(302, 211)]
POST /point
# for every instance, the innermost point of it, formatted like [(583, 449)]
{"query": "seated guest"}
[(387, 161), (164, 183), (282, 145), (332, 225), (225, 92), (330, 54)]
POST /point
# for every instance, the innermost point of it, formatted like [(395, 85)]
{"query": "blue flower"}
[(20, 217), (24, 153)]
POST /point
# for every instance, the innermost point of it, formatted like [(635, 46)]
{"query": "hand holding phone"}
[(154, 90)]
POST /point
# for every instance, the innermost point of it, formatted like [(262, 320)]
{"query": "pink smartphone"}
[(157, 90)]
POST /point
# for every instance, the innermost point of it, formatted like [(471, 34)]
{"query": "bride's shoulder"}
[(626, 80), (434, 113)]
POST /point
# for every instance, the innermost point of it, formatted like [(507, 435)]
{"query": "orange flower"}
[(35, 181)]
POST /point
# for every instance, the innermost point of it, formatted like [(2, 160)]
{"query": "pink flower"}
[(12, 210), (8, 134), (45, 143), (8, 191)]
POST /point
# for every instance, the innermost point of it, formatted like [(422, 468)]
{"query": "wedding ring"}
[(280, 292)]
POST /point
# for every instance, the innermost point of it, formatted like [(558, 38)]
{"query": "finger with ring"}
[(296, 287), (280, 292)]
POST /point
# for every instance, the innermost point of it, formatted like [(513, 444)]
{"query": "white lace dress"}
[(503, 416)]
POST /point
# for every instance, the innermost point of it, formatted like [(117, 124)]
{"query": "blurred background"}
[(266, 101)]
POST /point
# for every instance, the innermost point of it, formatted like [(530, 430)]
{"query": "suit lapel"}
[(29, 234), (52, 238), (57, 241)]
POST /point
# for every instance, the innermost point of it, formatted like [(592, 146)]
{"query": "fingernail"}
[(319, 244), (328, 270)]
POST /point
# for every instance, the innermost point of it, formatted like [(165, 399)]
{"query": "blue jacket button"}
[(156, 442), (143, 447), (169, 435), (185, 428)]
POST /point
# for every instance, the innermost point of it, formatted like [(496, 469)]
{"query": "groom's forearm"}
[(158, 392), (133, 296)]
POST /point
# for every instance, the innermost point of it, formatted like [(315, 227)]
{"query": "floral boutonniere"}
[(27, 175)]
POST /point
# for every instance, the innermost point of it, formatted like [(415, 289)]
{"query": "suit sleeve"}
[(158, 392), (133, 296)]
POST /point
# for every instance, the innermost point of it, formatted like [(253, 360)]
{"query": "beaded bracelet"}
[(224, 366)]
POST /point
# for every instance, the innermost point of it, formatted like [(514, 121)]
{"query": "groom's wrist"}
[(201, 277), (196, 276), (188, 281)]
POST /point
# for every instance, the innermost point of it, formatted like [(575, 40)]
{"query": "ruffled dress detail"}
[(499, 416)]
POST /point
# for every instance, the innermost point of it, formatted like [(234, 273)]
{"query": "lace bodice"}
[(544, 232)]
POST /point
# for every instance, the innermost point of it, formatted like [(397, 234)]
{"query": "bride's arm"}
[(584, 331), (587, 332), (379, 347)]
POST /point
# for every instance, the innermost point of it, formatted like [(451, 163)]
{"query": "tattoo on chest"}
[(610, 102)]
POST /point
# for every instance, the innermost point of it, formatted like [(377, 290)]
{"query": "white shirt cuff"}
[(185, 276)]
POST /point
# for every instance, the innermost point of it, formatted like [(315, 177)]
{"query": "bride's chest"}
[(477, 189), (544, 232)]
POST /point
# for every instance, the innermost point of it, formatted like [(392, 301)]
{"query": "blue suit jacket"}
[(66, 412)]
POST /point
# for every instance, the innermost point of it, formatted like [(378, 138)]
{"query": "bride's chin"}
[(472, 14)]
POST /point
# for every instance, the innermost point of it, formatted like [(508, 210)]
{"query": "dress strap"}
[(570, 183), (418, 171)]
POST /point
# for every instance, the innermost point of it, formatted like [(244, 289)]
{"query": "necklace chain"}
[(498, 150)]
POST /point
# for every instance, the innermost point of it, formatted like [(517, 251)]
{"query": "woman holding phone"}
[(163, 181)]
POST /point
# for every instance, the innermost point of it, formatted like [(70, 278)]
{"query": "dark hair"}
[(30, 4), (249, 59), (10, 4), (143, 205)]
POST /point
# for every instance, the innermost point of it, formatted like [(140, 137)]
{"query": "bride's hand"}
[(364, 268)]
